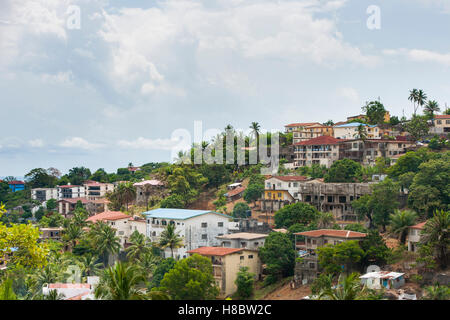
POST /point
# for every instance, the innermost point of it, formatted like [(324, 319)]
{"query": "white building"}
[(290, 184), (197, 228), (95, 190), (73, 291), (71, 191), (414, 236), (244, 240), (44, 194), (350, 131)]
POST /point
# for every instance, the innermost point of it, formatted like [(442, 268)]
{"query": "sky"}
[(101, 83)]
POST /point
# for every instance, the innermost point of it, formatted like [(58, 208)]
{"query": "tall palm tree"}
[(120, 282), (54, 295), (89, 265), (401, 221), (421, 98), (170, 238), (256, 129), (140, 245), (348, 288), (431, 108), (104, 239), (361, 132), (72, 234), (128, 192), (413, 97), (437, 232), (147, 263), (326, 220)]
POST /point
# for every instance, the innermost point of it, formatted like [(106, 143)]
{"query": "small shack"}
[(386, 279)]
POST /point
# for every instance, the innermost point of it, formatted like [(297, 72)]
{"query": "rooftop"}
[(235, 191), (332, 233), (322, 140), (382, 275), (353, 124), (214, 251), (419, 225), (442, 116), (290, 178), (108, 216), (150, 182), (16, 182), (178, 214), (243, 235), (302, 124)]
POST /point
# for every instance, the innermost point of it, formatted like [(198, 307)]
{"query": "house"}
[(145, 188), (235, 193), (386, 279), (245, 240), (51, 233), (16, 185), (134, 169), (121, 222), (73, 291), (414, 236), (280, 191), (307, 131), (387, 117), (197, 228), (44, 194), (234, 185), (323, 150), (95, 190), (350, 130), (440, 124), (67, 206), (226, 264), (308, 268), (71, 191)]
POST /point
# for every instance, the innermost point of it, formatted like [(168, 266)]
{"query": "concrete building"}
[(380, 279), (145, 189), (440, 125), (227, 263), (307, 131), (71, 191), (350, 131), (243, 240), (308, 268), (73, 291), (44, 194), (67, 206), (197, 228), (16, 185), (51, 233), (323, 150), (95, 190), (414, 236)]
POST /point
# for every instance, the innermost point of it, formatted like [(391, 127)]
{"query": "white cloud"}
[(154, 144), (349, 94), (80, 143), (36, 143), (420, 55)]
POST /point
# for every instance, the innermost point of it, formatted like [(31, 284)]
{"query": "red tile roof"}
[(108, 216), (69, 285), (332, 233), (322, 140), (419, 225), (214, 251), (69, 186), (235, 191), (290, 178), (75, 200), (302, 124), (16, 182), (442, 116)]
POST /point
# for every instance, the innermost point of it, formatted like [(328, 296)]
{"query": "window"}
[(312, 265), (314, 242), (164, 222), (204, 236), (242, 257), (250, 256), (220, 224), (204, 224)]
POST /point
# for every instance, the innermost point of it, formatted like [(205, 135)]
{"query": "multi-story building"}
[(307, 131), (308, 268), (44, 194), (197, 228), (323, 150), (226, 264), (440, 124), (71, 191), (414, 236), (245, 240), (67, 206), (350, 131), (145, 189), (95, 190), (367, 151)]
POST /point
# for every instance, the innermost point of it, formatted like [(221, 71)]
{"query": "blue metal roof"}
[(353, 124), (178, 214)]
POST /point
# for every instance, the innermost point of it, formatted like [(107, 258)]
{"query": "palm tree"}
[(120, 282), (437, 292), (401, 221), (413, 97), (147, 263), (54, 295), (431, 108), (361, 132), (170, 238), (437, 232), (104, 239), (72, 233), (256, 129), (140, 245), (421, 98), (127, 192), (348, 288), (89, 265), (326, 220)]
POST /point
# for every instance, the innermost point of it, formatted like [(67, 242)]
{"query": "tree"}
[(51, 204), (400, 223), (343, 256), (190, 279), (278, 254), (72, 234), (409, 162), (172, 201), (357, 227), (256, 129), (361, 133), (417, 127), (140, 245), (437, 292), (431, 108), (120, 282), (344, 170), (394, 120), (375, 112), (240, 210), (418, 97), (78, 175), (348, 288), (384, 199), (103, 238), (253, 193), (54, 295), (6, 290), (89, 265), (436, 232), (163, 267), (170, 238), (375, 250), (300, 212), (40, 178), (100, 175), (244, 282)]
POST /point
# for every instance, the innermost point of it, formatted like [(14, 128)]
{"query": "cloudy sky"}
[(114, 90)]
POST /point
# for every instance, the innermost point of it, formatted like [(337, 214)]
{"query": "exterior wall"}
[(44, 194), (319, 154), (309, 132), (17, 187), (96, 191), (74, 192), (252, 244), (351, 132), (122, 227), (413, 239), (276, 184), (440, 126), (191, 231)]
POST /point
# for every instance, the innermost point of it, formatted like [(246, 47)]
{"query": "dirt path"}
[(286, 293)]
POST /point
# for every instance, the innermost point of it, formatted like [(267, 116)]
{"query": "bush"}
[(245, 281)]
